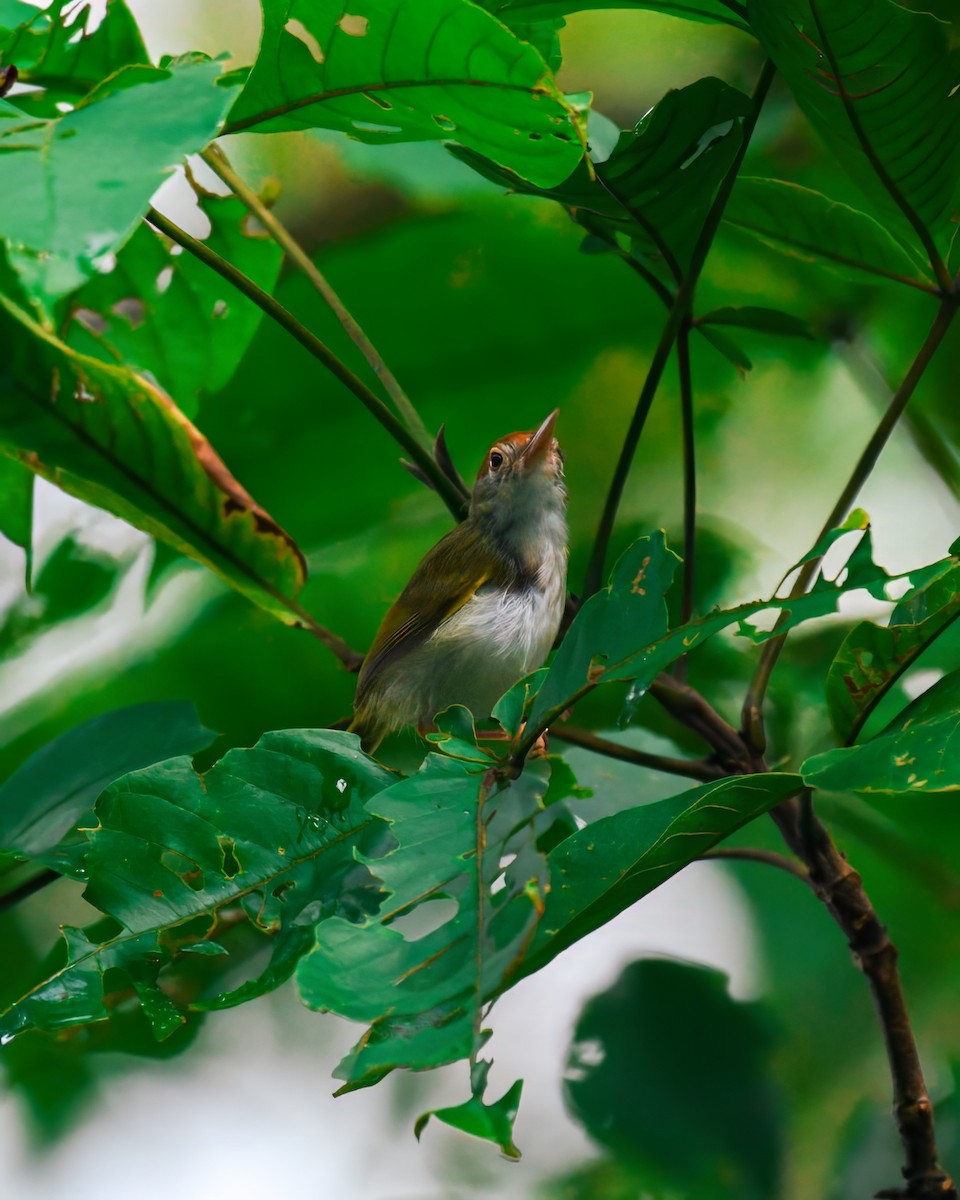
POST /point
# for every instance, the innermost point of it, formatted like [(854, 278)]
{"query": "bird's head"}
[(521, 475)]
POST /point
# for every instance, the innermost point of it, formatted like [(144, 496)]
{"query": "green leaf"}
[(657, 185), (615, 861), (46, 797), (423, 994), (731, 350), (764, 320), (109, 437), (74, 188), (672, 1075), (876, 83), (273, 828), (60, 52), (387, 71), (872, 657), (708, 11), (804, 224), (492, 1122), (16, 504), (913, 754), (169, 314)]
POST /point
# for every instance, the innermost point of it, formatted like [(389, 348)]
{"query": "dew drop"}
[(341, 785)]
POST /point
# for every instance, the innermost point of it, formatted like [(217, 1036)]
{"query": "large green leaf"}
[(74, 188), (388, 71), (424, 996), (108, 436), (675, 1077), (659, 181), (916, 753), (616, 860), (273, 829), (44, 799), (710, 11), (169, 314), (872, 657), (806, 225), (877, 83), (16, 503), (64, 52)]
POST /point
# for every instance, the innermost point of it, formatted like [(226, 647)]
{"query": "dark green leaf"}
[(108, 436), (60, 51), (873, 656), (731, 351), (74, 188), (913, 754), (386, 71), (43, 800), (806, 225), (169, 314), (674, 1076), (765, 320), (709, 11), (876, 83), (16, 503), (615, 861), (273, 828), (423, 993)]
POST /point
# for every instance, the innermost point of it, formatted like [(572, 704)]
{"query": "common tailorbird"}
[(483, 607)]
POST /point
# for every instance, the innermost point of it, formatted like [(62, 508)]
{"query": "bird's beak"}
[(536, 450)]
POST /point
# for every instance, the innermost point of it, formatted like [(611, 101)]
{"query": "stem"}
[(938, 266), (9, 899), (689, 475), (218, 162), (752, 714), (645, 224), (703, 770), (312, 344), (753, 854), (679, 312), (583, 218)]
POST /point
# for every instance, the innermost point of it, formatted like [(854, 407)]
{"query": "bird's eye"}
[(496, 460)]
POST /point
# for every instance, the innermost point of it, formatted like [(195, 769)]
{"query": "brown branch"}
[(754, 854), (702, 769)]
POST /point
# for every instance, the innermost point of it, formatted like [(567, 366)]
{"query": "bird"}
[(484, 605)]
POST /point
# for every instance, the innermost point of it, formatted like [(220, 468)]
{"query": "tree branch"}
[(753, 854), (312, 344), (704, 770), (218, 162), (29, 888), (752, 714)]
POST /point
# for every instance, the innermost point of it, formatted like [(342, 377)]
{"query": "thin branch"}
[(641, 218), (689, 475), (679, 312), (9, 899), (752, 714), (753, 854), (704, 770), (218, 162), (937, 265), (312, 344)]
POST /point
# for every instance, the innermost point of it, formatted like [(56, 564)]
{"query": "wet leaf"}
[(385, 71)]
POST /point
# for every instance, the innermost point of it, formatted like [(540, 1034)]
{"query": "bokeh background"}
[(489, 314)]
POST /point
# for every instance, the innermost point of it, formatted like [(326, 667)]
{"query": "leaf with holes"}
[(727, 12), (75, 188), (877, 83), (873, 657), (109, 437), (422, 989), (391, 71), (169, 314), (915, 753), (56, 787), (657, 185), (272, 829), (804, 224), (63, 51)]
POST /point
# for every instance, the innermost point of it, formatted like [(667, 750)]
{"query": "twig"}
[(310, 342), (218, 162), (679, 312), (9, 899), (754, 854), (752, 714), (702, 769)]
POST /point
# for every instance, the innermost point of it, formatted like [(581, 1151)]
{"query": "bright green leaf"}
[(492, 1122), (708, 11), (108, 436), (806, 225), (74, 188), (387, 71)]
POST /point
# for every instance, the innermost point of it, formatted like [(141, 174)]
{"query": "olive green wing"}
[(447, 577)]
